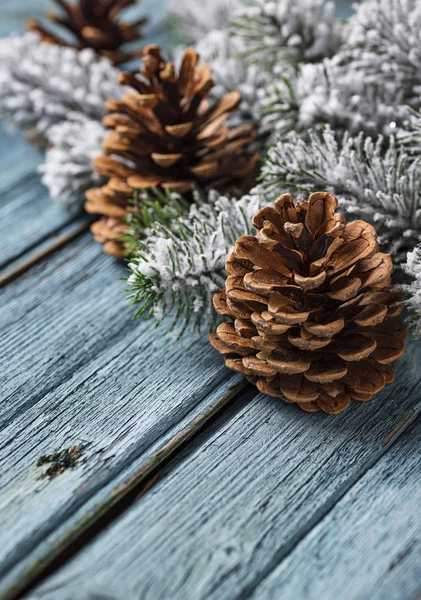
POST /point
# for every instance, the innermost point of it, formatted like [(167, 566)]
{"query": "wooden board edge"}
[(56, 244)]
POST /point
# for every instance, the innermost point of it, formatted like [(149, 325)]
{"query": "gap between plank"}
[(31, 261), (161, 464), (158, 466), (410, 419)]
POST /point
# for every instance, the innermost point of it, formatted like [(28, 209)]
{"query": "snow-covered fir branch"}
[(380, 186), (180, 264), (191, 20), (68, 170), (412, 267), (329, 93), (410, 134), (42, 84), (383, 45), (276, 33)]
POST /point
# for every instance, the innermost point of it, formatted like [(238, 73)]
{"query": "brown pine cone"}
[(166, 134), (109, 232), (94, 24), (311, 306)]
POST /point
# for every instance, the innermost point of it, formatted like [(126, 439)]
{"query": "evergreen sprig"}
[(180, 264), (383, 45), (412, 267), (190, 20), (377, 185), (329, 93), (42, 84), (287, 32), (68, 170)]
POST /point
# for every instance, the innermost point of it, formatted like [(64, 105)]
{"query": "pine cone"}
[(109, 232), (311, 305), (94, 24), (165, 134)]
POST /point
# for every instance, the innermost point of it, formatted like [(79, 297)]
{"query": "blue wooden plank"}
[(239, 503), (76, 369), (15, 13), (28, 217), (368, 547)]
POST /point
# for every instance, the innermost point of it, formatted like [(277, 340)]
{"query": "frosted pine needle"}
[(68, 170), (330, 93), (377, 185), (280, 32), (42, 84), (412, 267), (383, 45), (180, 265), (194, 19)]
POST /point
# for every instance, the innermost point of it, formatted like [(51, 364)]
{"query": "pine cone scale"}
[(312, 295)]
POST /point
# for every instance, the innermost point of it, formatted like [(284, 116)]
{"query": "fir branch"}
[(409, 135), (412, 267), (380, 187), (191, 20), (68, 170), (329, 93), (287, 32), (42, 84), (152, 206), (383, 45), (180, 265)]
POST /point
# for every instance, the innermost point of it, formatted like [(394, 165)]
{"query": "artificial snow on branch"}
[(410, 134), (193, 19), (180, 264), (383, 45), (412, 267), (377, 185), (329, 93), (280, 32), (42, 84), (68, 170)]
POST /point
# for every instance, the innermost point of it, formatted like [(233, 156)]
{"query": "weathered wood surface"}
[(29, 220), (268, 503), (28, 217), (233, 509), (76, 368), (368, 547)]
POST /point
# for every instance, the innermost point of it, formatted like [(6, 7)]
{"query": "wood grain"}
[(237, 505), (369, 546), (28, 217), (75, 368)]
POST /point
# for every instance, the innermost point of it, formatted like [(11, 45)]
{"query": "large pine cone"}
[(311, 306), (94, 24), (165, 134)]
